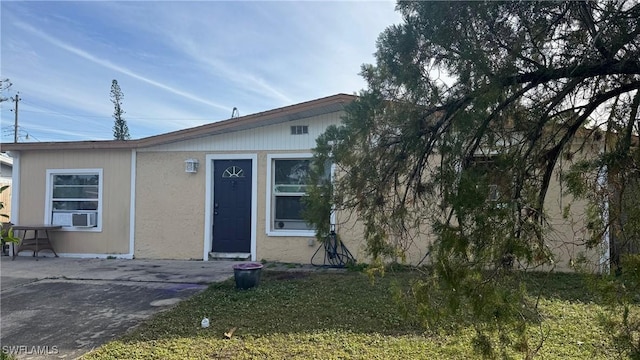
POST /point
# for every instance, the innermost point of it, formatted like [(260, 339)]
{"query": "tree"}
[(524, 84), (5, 84), (120, 128)]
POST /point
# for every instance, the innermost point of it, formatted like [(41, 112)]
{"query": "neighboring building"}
[(6, 173), (231, 188), (6, 167)]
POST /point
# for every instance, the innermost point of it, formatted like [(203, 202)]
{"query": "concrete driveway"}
[(62, 308)]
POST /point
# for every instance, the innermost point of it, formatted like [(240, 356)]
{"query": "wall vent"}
[(299, 129)]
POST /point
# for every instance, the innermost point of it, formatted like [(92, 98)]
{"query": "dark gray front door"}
[(232, 206)]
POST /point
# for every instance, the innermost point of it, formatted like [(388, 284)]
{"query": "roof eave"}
[(327, 105), (71, 145)]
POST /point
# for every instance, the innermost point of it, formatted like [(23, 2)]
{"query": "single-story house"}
[(226, 189)]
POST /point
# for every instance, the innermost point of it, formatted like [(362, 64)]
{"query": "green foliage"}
[(456, 301), (357, 267), (4, 356), (296, 315), (318, 202), (518, 85), (620, 292), (6, 234), (120, 128), (612, 213)]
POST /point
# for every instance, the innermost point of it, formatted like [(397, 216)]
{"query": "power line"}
[(9, 132)]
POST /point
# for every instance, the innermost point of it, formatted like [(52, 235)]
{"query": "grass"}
[(327, 315)]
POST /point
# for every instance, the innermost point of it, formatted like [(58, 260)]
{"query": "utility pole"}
[(15, 124)]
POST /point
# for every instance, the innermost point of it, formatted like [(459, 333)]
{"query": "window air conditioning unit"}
[(63, 219), (84, 220)]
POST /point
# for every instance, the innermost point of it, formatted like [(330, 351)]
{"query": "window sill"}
[(292, 233)]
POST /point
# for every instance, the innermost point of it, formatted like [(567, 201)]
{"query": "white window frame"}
[(48, 208), (494, 195), (270, 196)]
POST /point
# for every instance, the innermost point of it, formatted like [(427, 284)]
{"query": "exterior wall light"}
[(191, 166)]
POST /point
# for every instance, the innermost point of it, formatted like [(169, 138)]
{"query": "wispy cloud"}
[(48, 133), (210, 44), (109, 65), (246, 80), (180, 64)]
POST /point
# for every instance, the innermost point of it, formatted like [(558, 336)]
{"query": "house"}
[(6, 167), (228, 189), (231, 187), (6, 173)]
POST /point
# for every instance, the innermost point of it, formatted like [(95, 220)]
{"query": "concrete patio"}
[(62, 307)]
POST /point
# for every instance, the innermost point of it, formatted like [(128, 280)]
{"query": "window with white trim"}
[(74, 198), (498, 182), (287, 185)]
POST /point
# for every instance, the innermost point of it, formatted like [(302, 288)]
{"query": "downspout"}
[(208, 168), (605, 258), (132, 207)]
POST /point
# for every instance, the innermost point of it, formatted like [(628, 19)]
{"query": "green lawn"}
[(329, 315)]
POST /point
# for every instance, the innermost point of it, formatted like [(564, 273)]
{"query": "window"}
[(287, 185), (299, 129), (74, 198), (233, 172), (288, 190), (496, 179)]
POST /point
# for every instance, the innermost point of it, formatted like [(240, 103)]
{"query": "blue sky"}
[(179, 64)]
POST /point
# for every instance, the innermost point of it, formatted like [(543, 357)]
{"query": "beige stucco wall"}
[(276, 248), (170, 210), (116, 167), (565, 238), (301, 249), (298, 249), (170, 216), (170, 206), (567, 217), (165, 193)]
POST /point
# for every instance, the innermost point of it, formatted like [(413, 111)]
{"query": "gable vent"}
[(299, 129)]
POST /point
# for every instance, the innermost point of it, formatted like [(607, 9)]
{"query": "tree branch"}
[(608, 67), (553, 153)]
